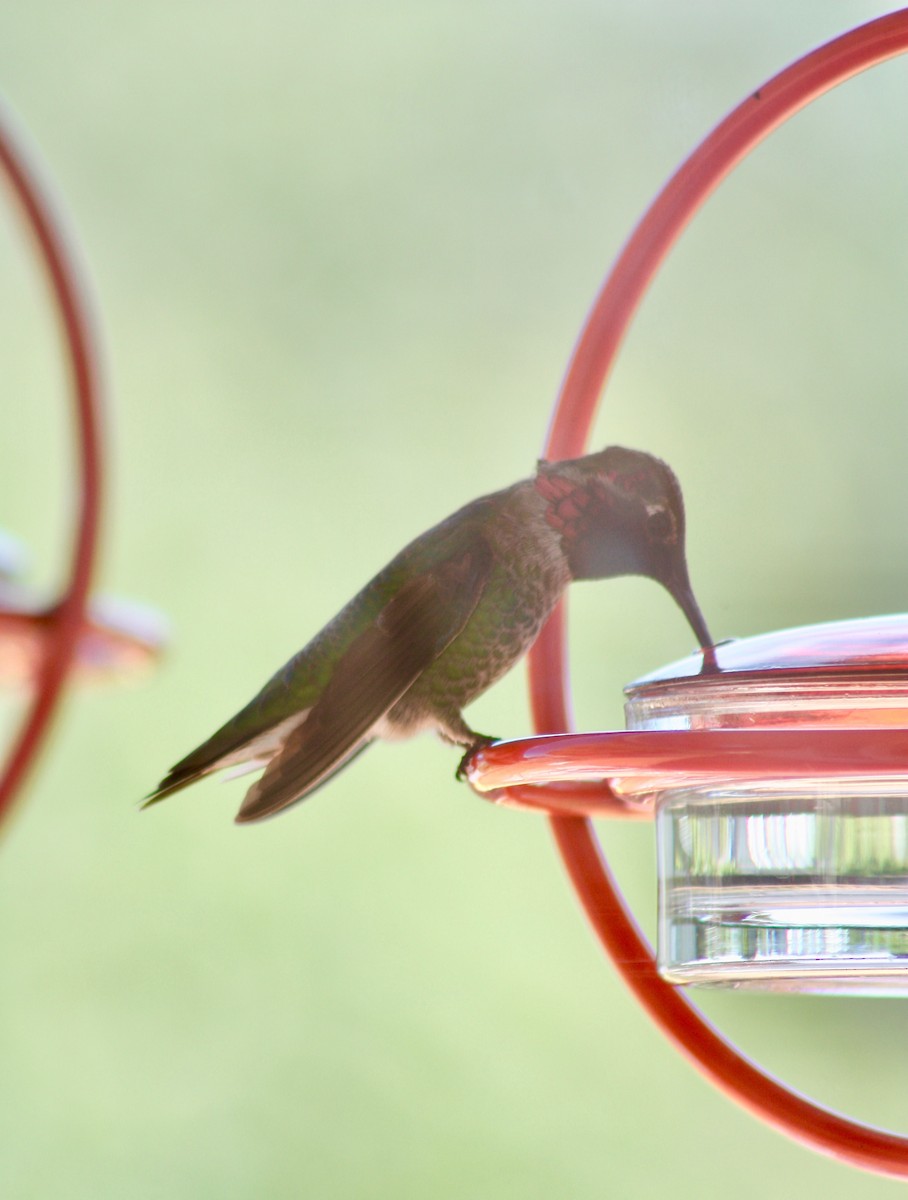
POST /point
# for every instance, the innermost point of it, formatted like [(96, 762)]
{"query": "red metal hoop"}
[(81, 349), (747, 125)]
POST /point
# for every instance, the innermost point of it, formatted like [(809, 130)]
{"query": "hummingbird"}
[(446, 618)]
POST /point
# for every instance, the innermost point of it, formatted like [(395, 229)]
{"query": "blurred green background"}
[(342, 253)]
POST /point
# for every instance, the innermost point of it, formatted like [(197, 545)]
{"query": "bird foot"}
[(482, 740)]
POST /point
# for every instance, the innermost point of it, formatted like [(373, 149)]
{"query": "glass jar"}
[(780, 883)]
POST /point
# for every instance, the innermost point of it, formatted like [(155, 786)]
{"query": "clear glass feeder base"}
[(776, 887)]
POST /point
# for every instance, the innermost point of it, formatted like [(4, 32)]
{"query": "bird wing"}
[(408, 634)]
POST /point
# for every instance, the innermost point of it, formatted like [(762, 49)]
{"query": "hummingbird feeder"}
[(45, 641), (776, 771)]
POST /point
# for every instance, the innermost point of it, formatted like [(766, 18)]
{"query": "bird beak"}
[(686, 600)]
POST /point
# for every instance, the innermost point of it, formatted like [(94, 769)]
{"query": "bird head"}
[(620, 512)]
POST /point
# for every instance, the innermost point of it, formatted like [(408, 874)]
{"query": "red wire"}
[(748, 124), (70, 299)]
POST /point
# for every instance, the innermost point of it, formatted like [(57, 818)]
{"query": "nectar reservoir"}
[(788, 880)]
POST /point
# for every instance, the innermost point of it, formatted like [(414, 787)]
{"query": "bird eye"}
[(659, 524)]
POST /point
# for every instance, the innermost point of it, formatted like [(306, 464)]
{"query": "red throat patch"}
[(568, 504)]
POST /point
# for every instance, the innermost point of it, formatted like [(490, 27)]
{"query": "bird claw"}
[(482, 740)]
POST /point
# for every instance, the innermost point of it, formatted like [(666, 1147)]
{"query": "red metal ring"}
[(70, 299), (747, 125)]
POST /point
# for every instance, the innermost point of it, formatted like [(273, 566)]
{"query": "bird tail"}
[(175, 780)]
